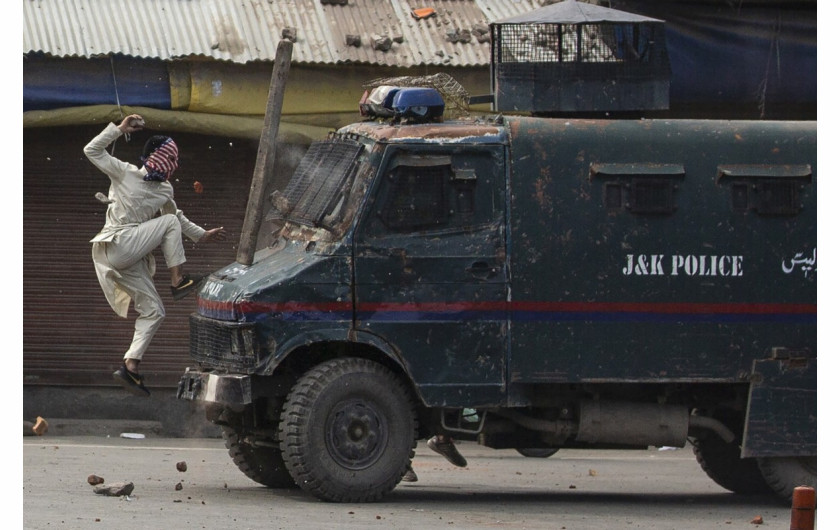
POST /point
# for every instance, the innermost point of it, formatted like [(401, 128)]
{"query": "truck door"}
[(431, 269)]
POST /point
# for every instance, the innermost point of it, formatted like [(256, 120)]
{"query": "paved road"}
[(574, 490)]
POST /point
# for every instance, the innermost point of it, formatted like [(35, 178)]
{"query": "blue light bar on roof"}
[(415, 103), (418, 103)]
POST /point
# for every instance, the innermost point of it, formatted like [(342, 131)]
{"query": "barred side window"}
[(417, 197), (438, 192), (765, 189)]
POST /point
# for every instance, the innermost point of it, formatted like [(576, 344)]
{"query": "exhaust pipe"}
[(614, 422), (633, 423)]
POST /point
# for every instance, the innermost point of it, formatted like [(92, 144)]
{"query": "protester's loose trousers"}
[(127, 253)]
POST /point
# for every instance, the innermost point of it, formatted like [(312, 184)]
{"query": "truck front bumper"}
[(224, 389)]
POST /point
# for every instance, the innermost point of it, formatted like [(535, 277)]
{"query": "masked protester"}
[(141, 216)]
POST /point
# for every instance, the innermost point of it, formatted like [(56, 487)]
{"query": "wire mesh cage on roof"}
[(591, 43), (578, 57)]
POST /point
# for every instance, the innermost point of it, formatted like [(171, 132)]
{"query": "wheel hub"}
[(356, 435)]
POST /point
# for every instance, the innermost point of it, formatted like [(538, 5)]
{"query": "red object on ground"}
[(803, 508)]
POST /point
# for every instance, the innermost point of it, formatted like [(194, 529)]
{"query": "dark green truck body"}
[(578, 283)]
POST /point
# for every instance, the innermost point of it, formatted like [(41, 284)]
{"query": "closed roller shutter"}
[(70, 334)]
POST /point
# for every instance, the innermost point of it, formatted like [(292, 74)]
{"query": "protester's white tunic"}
[(134, 201)]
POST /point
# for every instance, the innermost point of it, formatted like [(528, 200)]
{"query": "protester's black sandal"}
[(132, 381), (187, 285)]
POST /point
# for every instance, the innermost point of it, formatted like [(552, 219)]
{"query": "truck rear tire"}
[(722, 462), (348, 431), (784, 474), (261, 464)]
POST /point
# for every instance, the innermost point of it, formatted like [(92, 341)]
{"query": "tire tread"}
[(299, 403)]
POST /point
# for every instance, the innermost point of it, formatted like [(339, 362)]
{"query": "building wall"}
[(208, 97), (70, 334)]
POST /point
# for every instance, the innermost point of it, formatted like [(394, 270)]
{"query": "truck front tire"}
[(348, 431), (260, 463)]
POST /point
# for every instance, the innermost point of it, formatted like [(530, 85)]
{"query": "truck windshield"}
[(318, 191)]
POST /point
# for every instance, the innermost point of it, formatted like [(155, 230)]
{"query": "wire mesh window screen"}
[(589, 43), (319, 177), (777, 198), (529, 43), (586, 43), (652, 196), (418, 198)]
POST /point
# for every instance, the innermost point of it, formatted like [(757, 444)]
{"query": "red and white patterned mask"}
[(162, 162)]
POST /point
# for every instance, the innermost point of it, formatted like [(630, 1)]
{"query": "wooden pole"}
[(265, 154)]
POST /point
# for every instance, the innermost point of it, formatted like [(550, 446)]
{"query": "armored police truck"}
[(571, 283)]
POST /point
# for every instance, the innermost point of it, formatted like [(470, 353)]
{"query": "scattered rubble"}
[(481, 32), (117, 489), (132, 435), (95, 480), (37, 429), (181, 466), (381, 43), (458, 35), (757, 520), (179, 486)]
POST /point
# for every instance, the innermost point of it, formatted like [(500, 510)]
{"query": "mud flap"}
[(782, 408)]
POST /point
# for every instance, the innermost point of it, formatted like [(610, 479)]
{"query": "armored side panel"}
[(660, 251)]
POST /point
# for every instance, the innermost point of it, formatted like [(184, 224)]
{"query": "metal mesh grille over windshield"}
[(314, 188)]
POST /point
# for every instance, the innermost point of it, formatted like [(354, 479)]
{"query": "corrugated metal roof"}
[(243, 31)]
